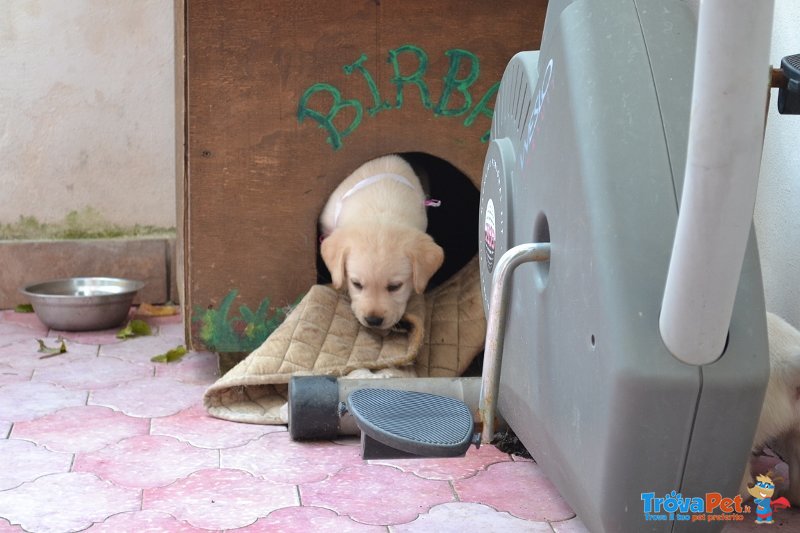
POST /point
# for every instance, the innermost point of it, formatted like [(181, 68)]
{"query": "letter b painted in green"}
[(326, 121), (451, 83)]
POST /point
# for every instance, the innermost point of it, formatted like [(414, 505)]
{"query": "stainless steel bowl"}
[(82, 304)]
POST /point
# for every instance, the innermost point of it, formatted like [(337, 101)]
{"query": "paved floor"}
[(102, 439)]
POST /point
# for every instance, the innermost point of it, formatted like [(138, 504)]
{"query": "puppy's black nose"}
[(373, 321)]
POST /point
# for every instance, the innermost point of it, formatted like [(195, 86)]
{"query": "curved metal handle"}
[(495, 327)]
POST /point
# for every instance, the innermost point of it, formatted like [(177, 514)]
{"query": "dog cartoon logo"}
[(762, 493)]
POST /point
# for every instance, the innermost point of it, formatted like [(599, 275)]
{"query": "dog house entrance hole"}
[(453, 225)]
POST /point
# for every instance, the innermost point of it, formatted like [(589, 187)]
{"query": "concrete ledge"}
[(147, 259)]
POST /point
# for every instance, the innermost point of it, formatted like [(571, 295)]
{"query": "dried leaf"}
[(51, 352), (135, 328), (157, 310), (171, 356), (23, 308)]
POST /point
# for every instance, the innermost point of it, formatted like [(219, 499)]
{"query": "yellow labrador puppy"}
[(779, 423), (374, 240)]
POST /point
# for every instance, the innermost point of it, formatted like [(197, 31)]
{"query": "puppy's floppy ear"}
[(426, 258), (334, 252)]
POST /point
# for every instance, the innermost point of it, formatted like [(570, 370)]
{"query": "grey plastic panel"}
[(501, 166), (495, 211), (586, 383)]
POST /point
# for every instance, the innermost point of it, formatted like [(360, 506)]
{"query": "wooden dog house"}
[(285, 98)]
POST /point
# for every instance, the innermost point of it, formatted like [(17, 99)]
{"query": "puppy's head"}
[(380, 267)]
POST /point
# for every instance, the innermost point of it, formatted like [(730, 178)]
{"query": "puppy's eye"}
[(356, 284), (392, 287)]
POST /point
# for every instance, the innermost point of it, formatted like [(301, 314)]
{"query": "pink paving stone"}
[(24, 355), (150, 397), (308, 519), (28, 400), (141, 521), (6, 527), (106, 336), (95, 373), (573, 525), (458, 517), (278, 458), (145, 461), (376, 494), (9, 374), (455, 468), (220, 498), (139, 349), (12, 333), (348, 440), (195, 367), (65, 502), (518, 488), (196, 426), (28, 320), (25, 461), (80, 429)]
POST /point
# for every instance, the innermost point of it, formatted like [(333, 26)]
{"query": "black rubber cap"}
[(313, 408), (789, 97)]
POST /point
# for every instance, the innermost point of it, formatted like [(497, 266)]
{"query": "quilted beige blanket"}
[(440, 335)]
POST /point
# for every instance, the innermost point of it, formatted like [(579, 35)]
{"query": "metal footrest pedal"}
[(402, 424)]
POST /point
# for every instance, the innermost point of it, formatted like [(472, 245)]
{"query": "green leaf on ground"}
[(23, 308), (171, 356), (135, 328)]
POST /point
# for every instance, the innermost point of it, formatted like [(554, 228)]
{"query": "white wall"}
[(777, 216), (87, 109)]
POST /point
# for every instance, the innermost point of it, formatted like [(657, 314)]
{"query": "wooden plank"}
[(285, 98)]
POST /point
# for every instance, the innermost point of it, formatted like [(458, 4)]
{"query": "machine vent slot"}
[(513, 105), (521, 104), (514, 91), (518, 113), (521, 127)]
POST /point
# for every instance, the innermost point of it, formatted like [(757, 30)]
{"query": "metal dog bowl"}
[(82, 304)]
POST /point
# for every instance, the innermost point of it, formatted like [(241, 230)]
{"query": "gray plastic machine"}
[(587, 153)]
